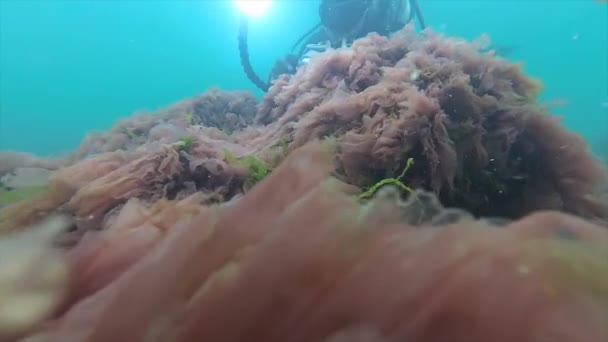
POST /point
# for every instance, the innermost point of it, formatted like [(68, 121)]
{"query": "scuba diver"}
[(342, 22)]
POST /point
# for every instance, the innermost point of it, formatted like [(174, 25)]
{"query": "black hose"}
[(244, 54)]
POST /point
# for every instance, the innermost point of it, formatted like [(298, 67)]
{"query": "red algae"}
[(309, 263)]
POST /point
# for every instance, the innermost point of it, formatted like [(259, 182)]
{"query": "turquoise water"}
[(68, 67)]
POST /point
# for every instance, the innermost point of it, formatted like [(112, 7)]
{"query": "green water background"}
[(69, 67)]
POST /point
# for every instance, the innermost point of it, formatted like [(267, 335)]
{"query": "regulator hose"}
[(244, 54)]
